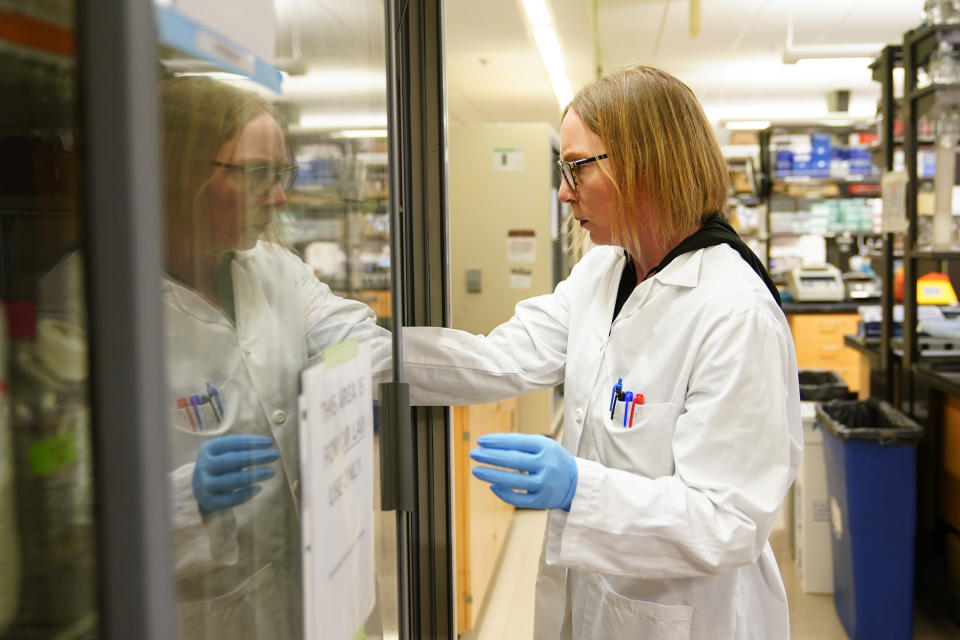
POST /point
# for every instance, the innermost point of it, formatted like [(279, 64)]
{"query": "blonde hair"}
[(662, 152), (198, 116)]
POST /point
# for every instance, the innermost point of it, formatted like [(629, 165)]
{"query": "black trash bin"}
[(822, 384), (870, 455)]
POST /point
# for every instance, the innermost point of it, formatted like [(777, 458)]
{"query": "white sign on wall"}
[(521, 245), (508, 159)]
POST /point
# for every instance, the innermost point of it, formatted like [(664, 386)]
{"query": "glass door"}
[(48, 568), (154, 476), (276, 244)]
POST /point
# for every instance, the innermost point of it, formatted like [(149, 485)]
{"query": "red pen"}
[(637, 399), (182, 404)]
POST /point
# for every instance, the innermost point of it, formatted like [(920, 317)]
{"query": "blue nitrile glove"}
[(551, 472), (228, 470)]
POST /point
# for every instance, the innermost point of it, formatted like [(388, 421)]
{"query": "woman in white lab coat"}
[(243, 317), (660, 507)]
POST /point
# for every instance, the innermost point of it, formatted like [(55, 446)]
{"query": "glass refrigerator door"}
[(276, 300), (48, 578)]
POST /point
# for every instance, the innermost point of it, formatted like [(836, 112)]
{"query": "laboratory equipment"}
[(816, 283), (935, 288), (862, 286)]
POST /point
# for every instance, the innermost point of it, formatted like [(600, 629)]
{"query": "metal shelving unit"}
[(890, 58), (851, 187), (918, 46)]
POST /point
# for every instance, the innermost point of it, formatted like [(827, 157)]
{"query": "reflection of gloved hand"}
[(551, 472), (224, 475)]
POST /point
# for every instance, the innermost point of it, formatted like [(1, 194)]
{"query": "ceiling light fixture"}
[(362, 133), (540, 23), (748, 125), (796, 53)]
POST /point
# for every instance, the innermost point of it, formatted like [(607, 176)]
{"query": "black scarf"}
[(714, 231)]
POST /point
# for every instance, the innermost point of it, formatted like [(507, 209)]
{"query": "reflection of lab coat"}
[(238, 572), (667, 533)]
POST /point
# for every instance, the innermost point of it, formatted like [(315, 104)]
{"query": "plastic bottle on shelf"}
[(9, 541), (50, 418)]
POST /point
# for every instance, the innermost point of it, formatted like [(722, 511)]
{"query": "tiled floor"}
[(508, 614)]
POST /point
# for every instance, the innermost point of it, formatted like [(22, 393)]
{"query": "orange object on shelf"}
[(932, 288), (898, 284), (935, 288)]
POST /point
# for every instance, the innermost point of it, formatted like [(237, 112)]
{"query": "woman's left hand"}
[(545, 476)]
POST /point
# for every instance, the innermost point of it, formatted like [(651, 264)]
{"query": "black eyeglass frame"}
[(569, 169), (285, 175)]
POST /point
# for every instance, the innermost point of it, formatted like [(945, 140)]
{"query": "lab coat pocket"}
[(202, 417), (252, 610), (602, 613), (647, 446)]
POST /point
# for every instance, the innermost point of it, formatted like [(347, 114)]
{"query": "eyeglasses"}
[(261, 179), (569, 169)]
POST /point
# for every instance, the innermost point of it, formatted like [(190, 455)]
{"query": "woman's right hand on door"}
[(229, 470)]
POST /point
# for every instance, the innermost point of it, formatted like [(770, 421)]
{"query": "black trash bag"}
[(822, 384), (869, 419)]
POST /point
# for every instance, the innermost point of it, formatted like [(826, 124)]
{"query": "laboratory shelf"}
[(924, 40), (927, 253), (935, 96)]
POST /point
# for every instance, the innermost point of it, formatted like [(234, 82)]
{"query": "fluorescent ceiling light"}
[(537, 13), (549, 46), (748, 125), (335, 82), (339, 121), (540, 22), (858, 63), (362, 133), (795, 53)]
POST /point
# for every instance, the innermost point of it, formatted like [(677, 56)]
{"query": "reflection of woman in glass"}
[(243, 317)]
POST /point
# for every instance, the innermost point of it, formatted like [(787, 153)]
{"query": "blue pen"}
[(195, 402), (627, 399), (613, 396), (215, 403)]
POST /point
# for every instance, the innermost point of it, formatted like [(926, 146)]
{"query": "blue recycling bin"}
[(870, 455)]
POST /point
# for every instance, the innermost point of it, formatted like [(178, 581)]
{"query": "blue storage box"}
[(870, 456), (784, 163)]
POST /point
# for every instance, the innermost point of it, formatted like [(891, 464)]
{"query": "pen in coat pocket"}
[(627, 402), (214, 394), (614, 395), (637, 399), (182, 404), (195, 402)]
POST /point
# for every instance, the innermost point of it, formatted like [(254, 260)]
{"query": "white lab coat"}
[(667, 533), (238, 571)]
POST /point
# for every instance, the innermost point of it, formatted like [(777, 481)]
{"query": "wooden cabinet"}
[(482, 519), (818, 339)]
